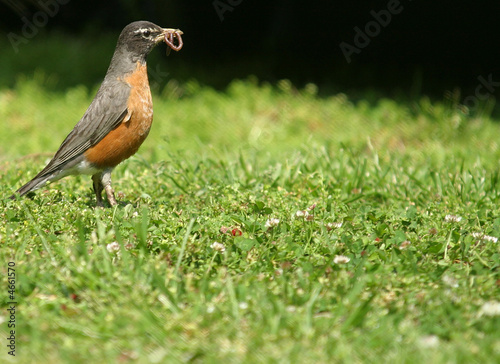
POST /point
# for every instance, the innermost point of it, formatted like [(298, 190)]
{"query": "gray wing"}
[(104, 114)]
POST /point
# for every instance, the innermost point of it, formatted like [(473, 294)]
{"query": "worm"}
[(169, 39)]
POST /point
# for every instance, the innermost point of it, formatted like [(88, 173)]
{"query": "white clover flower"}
[(113, 247), (481, 236), (490, 239), (452, 218), (243, 305), (333, 225), (301, 213), (272, 223), (341, 259), (429, 341), (218, 247), (490, 308)]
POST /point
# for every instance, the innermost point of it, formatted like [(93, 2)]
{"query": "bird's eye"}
[(147, 33)]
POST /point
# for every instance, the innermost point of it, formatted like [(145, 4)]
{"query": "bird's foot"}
[(111, 195)]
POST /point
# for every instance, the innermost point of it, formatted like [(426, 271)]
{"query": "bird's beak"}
[(171, 30), (167, 31)]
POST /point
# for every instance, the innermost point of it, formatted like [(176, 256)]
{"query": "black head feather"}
[(140, 37)]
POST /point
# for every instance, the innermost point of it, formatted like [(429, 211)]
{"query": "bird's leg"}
[(106, 182), (98, 187)]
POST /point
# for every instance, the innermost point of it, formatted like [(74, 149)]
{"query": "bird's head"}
[(140, 37)]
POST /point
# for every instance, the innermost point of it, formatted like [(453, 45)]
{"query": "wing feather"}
[(104, 114)]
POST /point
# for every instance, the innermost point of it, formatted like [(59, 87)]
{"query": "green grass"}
[(418, 286)]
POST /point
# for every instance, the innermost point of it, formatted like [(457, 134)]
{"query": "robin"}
[(117, 121)]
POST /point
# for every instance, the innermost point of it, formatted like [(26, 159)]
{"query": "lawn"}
[(258, 223)]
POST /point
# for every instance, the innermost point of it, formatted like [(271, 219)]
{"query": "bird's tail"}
[(52, 172), (32, 185)]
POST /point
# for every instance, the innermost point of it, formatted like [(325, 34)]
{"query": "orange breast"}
[(123, 141)]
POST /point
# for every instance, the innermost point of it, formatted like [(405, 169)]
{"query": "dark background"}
[(430, 45)]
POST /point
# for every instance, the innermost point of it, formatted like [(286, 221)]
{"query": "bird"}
[(118, 119)]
